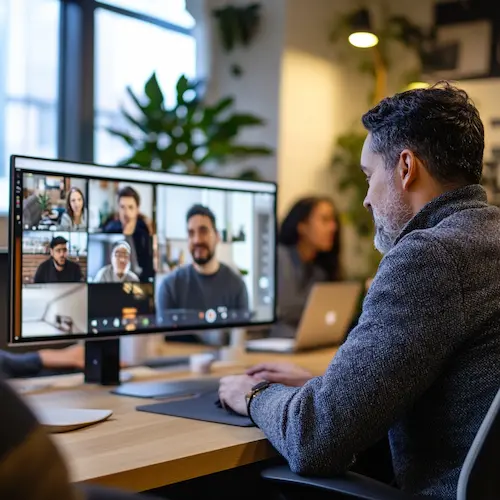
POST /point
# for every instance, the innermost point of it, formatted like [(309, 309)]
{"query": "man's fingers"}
[(267, 367), (269, 376)]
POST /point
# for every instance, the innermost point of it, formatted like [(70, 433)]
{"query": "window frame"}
[(76, 104)]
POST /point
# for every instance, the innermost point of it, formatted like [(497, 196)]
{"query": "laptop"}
[(328, 313)]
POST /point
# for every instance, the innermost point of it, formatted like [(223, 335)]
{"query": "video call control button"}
[(210, 316)]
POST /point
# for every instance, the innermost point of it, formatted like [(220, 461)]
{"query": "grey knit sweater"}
[(423, 363)]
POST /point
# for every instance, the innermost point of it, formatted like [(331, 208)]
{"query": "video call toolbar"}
[(107, 255)]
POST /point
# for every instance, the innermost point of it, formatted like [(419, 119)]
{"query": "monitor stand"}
[(174, 389), (102, 362)]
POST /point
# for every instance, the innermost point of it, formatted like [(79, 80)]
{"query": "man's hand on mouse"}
[(232, 392), (233, 389), (280, 373)]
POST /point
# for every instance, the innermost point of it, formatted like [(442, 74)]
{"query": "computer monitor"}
[(99, 252)]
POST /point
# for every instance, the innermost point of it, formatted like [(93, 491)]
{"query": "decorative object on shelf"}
[(190, 137), (240, 237), (238, 26)]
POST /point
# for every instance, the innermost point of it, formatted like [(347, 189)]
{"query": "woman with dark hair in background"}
[(308, 253), (75, 217)]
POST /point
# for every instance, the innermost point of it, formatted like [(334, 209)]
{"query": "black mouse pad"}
[(202, 408)]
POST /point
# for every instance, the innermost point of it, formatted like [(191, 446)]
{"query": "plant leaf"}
[(133, 121), (123, 135), (134, 98), (141, 158), (153, 92)]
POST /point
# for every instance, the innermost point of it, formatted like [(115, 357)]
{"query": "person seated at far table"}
[(308, 253)]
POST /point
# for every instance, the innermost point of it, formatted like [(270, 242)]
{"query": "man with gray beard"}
[(422, 365)]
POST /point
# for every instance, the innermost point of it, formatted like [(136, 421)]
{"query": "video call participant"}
[(75, 216), (119, 269), (308, 253), (138, 235), (58, 268), (206, 283), (422, 363)]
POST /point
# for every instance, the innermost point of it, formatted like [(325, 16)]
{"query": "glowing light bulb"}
[(363, 39)]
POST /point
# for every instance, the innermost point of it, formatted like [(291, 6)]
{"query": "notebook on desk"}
[(329, 311)]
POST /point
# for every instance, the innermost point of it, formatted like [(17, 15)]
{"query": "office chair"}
[(479, 476)]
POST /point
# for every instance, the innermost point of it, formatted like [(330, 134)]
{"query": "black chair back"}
[(480, 475)]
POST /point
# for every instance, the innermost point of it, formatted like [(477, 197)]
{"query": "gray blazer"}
[(422, 364)]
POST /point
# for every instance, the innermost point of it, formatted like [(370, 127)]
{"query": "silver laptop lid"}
[(328, 313)]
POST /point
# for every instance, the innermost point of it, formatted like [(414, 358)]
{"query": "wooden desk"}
[(139, 451)]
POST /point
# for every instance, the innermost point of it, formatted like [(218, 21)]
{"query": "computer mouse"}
[(227, 408)]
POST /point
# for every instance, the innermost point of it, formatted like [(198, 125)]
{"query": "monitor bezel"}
[(12, 342)]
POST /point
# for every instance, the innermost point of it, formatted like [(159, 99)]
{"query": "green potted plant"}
[(45, 203), (191, 136)]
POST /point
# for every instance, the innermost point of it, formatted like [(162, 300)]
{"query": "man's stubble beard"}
[(389, 224)]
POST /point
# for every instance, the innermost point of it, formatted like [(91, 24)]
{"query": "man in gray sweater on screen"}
[(423, 364), (206, 284)]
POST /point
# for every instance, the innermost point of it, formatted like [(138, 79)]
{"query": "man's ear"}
[(407, 169)]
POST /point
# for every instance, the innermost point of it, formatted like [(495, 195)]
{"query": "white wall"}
[(257, 90), (43, 303), (73, 304), (486, 96)]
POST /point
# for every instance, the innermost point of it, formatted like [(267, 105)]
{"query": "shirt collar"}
[(445, 205)]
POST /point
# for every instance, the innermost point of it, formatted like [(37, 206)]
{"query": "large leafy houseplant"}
[(191, 136)]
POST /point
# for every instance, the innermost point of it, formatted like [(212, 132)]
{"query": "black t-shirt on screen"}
[(47, 273)]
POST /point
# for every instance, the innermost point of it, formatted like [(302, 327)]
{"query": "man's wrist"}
[(254, 392)]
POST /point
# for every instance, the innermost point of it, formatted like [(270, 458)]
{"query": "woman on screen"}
[(75, 216), (308, 253)]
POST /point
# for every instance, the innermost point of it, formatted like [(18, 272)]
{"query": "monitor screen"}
[(101, 251)]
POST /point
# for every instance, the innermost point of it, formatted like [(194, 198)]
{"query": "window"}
[(54, 75), (123, 60), (29, 53), (172, 11)]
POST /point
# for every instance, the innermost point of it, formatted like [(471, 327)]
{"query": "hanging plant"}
[(238, 26)]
